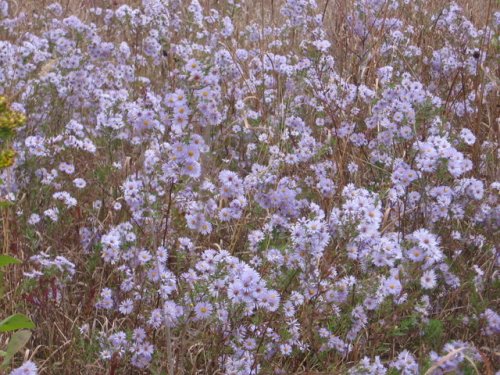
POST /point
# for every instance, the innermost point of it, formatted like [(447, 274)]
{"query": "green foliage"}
[(469, 369), (433, 333), (405, 327), (5, 260), (94, 259), (15, 322), (393, 371), (88, 346), (18, 340), (285, 334), (102, 173), (5, 204), (425, 365), (476, 301)]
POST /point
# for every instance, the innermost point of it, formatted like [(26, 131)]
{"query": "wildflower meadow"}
[(249, 187)]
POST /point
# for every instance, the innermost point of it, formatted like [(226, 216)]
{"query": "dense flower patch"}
[(243, 187)]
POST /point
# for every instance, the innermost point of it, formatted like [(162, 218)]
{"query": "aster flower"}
[(34, 219), (52, 213), (126, 307), (467, 136), (203, 310), (144, 256), (492, 322), (191, 169), (156, 319), (406, 363), (416, 254), (79, 183), (171, 313), (428, 280), (67, 168), (392, 286), (28, 368)]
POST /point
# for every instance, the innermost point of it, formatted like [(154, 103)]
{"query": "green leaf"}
[(2, 285), (5, 260), (16, 343), (16, 321), (6, 204)]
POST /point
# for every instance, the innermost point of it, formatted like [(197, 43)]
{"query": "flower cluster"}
[(204, 188)]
